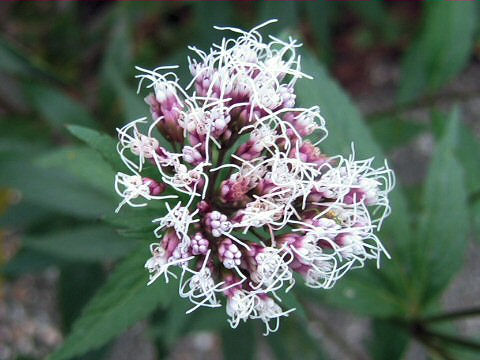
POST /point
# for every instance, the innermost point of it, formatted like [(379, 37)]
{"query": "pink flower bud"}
[(199, 244), (309, 153), (234, 191), (155, 187), (229, 254), (250, 150)]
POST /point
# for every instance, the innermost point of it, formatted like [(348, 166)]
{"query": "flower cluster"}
[(249, 200)]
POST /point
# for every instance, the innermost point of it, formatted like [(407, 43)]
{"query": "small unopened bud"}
[(229, 254), (155, 187)]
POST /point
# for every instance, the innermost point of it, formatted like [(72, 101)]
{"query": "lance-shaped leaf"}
[(442, 234), (103, 143), (57, 108), (441, 50), (54, 189), (93, 243), (84, 163), (389, 341)]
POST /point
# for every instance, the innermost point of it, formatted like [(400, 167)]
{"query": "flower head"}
[(249, 201)]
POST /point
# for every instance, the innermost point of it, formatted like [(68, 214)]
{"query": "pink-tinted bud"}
[(198, 141), (288, 239), (252, 149), (354, 196), (170, 242), (217, 223), (199, 244), (180, 253), (219, 119), (304, 123), (351, 244), (192, 156), (287, 95), (254, 250), (235, 190), (366, 191), (265, 186), (308, 153), (168, 112), (173, 246), (204, 78), (204, 207), (155, 187), (229, 254), (232, 283)]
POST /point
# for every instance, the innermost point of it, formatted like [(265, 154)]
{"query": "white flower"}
[(180, 219), (240, 306), (272, 270), (130, 187), (158, 264), (267, 310), (143, 146), (200, 288), (322, 273)]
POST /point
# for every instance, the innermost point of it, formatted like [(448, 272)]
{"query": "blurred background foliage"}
[(67, 80)]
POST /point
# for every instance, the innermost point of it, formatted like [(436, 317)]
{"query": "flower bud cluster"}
[(249, 201)]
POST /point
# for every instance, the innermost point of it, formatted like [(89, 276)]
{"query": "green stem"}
[(454, 340), (221, 157), (213, 180), (452, 315), (329, 331), (435, 348)]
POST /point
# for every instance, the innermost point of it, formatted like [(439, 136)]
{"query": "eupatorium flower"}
[(251, 205)]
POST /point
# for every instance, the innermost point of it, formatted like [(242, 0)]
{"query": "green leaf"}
[(290, 301), (320, 15), (29, 261), (207, 319), (93, 243), (173, 322), (57, 108), (77, 284), (239, 343), (84, 163), (441, 50), (117, 62), (442, 233), (468, 153), (389, 341), (363, 292), (286, 12), (103, 143), (124, 300), (119, 54), (133, 105), (23, 215), (54, 189), (391, 133), (467, 149), (14, 62), (382, 23)]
